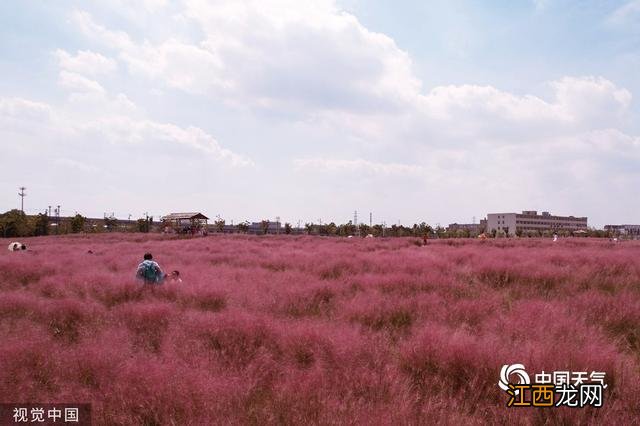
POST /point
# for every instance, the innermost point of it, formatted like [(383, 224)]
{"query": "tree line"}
[(15, 223)]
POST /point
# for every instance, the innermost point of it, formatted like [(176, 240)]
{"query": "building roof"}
[(179, 216)]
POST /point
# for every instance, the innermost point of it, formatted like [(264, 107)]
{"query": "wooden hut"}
[(185, 223)]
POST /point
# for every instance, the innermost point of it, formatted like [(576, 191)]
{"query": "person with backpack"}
[(149, 271)]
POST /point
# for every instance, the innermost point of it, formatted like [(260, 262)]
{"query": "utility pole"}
[(22, 194), (355, 222), (277, 225), (57, 213), (370, 219)]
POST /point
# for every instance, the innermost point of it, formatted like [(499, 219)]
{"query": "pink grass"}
[(301, 330)]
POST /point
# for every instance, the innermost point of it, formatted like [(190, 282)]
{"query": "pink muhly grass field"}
[(309, 330)]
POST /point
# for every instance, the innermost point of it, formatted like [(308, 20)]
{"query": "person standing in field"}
[(149, 271)]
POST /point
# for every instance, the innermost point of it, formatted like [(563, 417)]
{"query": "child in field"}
[(149, 271), (174, 277)]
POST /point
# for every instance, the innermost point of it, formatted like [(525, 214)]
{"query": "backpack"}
[(149, 272)]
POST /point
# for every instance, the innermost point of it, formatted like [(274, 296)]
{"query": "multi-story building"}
[(632, 230), (529, 220)]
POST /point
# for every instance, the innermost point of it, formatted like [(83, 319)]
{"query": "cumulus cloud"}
[(124, 130), (85, 62), (79, 83), (23, 109), (109, 119), (321, 65), (281, 54), (112, 39)]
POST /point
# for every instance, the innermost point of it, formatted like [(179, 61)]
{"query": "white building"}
[(529, 220), (633, 230)]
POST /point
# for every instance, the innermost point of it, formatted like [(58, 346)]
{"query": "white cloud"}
[(273, 54), (85, 62), (591, 98), (112, 39), (79, 83), (23, 109), (121, 129), (112, 119), (316, 62)]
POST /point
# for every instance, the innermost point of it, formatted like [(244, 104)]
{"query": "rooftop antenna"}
[(22, 194)]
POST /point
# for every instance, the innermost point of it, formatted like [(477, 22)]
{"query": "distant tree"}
[(425, 229), (308, 227), (41, 224), (143, 225), (77, 223), (287, 228), (243, 227), (349, 228), (331, 229), (219, 225), (110, 223), (265, 226), (14, 223), (363, 228)]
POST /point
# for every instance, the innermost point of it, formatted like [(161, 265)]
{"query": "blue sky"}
[(434, 111)]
